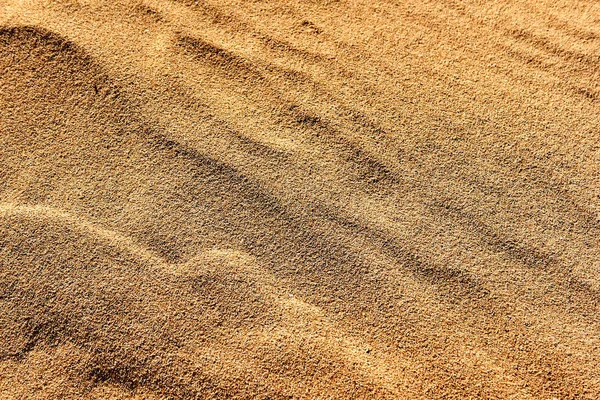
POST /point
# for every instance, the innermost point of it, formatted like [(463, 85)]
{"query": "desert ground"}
[(299, 199)]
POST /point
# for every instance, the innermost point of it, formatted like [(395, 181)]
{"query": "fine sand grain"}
[(316, 199)]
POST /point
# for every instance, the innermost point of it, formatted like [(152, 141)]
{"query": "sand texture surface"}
[(299, 199)]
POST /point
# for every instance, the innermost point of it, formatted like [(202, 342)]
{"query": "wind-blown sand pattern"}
[(311, 199)]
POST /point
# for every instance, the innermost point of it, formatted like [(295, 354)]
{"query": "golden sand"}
[(311, 199)]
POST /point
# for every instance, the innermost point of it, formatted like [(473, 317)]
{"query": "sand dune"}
[(299, 199)]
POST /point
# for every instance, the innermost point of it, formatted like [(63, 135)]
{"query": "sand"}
[(302, 199)]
